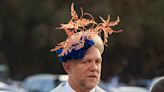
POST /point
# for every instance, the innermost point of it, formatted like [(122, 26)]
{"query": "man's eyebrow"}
[(98, 58)]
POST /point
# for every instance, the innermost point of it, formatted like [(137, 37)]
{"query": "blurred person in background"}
[(81, 53), (158, 85)]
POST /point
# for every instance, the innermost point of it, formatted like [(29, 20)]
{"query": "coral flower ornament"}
[(83, 33)]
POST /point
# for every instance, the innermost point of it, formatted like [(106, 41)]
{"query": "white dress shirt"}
[(68, 88)]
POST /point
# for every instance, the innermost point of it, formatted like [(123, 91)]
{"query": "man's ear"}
[(66, 66)]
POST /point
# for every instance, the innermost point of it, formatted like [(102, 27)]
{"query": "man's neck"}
[(77, 87)]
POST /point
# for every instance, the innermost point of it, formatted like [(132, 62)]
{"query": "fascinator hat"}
[(82, 33)]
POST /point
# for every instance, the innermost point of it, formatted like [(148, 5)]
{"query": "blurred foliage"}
[(27, 33)]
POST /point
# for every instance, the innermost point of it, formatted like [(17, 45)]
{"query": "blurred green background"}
[(27, 33)]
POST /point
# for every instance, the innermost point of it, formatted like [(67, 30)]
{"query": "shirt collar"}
[(68, 88)]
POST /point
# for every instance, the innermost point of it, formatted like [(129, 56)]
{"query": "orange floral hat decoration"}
[(82, 34)]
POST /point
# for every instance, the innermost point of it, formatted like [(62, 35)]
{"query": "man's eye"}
[(84, 61), (98, 61)]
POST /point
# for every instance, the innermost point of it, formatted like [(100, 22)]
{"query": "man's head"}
[(85, 73)]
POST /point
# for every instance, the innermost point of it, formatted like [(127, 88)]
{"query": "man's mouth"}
[(92, 76)]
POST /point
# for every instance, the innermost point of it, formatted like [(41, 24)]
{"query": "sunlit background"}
[(133, 57)]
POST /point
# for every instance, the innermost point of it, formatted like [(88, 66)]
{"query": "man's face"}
[(86, 72)]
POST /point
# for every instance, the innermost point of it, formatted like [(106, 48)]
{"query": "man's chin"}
[(91, 85)]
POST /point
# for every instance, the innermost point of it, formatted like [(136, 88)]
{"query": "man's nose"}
[(93, 66)]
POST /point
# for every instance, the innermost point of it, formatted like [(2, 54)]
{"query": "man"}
[(158, 85), (81, 53)]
